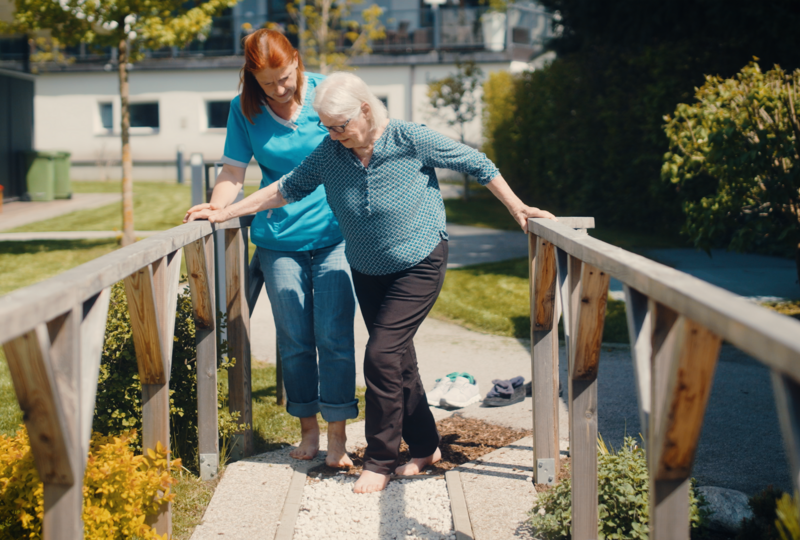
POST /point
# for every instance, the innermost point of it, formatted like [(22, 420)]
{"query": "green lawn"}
[(494, 298)]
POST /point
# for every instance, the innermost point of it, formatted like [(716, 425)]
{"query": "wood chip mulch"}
[(463, 440)]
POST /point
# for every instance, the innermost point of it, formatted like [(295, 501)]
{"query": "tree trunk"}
[(128, 236)]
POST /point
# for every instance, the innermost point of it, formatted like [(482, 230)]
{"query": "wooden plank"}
[(28, 358), (772, 338), (140, 290), (637, 313), (787, 403), (166, 277), (574, 222), (458, 506), (239, 385), (202, 270), (291, 505), (93, 333), (543, 282), (63, 505), (201, 282), (588, 315), (544, 351), (690, 375), (669, 499), (155, 429), (23, 309)]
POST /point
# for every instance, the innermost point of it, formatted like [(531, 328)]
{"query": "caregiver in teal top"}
[(300, 247), (380, 180)]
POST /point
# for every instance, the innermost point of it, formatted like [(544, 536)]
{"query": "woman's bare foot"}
[(416, 465), (337, 453), (370, 482), (309, 446)]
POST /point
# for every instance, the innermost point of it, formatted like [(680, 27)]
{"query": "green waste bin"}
[(63, 186), (40, 176)]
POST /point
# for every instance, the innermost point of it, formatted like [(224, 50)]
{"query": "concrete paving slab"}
[(16, 214)]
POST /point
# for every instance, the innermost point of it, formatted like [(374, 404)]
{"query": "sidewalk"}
[(16, 214)]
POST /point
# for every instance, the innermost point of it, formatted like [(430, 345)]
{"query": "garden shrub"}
[(623, 494), (118, 408), (762, 526), (120, 489)]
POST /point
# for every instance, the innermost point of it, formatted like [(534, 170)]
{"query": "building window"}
[(217, 112), (144, 115), (107, 116), (384, 100)]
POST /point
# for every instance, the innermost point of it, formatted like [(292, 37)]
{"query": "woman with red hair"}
[(300, 248)]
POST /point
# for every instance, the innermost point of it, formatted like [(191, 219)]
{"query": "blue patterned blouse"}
[(391, 213)]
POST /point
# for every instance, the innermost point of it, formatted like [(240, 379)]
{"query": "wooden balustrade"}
[(52, 334), (676, 324)]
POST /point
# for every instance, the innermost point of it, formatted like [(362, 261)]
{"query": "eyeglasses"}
[(336, 129)]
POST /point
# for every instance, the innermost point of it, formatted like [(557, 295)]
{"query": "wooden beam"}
[(63, 505), (544, 353), (588, 315), (93, 333), (155, 429), (166, 277), (200, 263), (23, 309), (639, 331), (787, 403), (29, 362), (684, 356), (771, 337), (239, 384), (140, 290)]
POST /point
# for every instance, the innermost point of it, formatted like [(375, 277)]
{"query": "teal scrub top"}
[(279, 146)]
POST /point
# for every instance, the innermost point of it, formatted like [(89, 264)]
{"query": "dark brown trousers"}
[(393, 307)]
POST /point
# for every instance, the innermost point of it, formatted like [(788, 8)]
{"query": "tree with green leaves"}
[(735, 156), (331, 37), (129, 26), (455, 98)]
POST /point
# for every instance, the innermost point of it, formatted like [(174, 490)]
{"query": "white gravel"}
[(407, 509)]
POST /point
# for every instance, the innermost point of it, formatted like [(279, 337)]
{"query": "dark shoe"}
[(529, 391), (505, 393)]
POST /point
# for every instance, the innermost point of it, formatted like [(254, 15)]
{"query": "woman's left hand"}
[(523, 214)]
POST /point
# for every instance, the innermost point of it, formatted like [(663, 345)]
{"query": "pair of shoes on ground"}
[(505, 392), (455, 390)]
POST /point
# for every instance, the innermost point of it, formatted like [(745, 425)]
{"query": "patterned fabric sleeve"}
[(436, 150), (305, 178)]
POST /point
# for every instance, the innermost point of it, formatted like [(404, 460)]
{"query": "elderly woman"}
[(381, 185)]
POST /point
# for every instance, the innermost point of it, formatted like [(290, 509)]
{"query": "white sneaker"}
[(440, 389), (464, 391)]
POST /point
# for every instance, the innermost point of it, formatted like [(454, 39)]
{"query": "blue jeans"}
[(314, 306)]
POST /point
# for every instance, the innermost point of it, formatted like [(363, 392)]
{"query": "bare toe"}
[(416, 465)]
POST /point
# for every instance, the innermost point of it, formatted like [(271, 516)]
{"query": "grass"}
[(26, 263), (192, 496), (10, 415), (495, 298), (790, 308)]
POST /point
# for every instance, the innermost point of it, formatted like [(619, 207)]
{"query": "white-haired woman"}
[(380, 183)]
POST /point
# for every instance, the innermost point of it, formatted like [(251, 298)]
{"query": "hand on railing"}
[(524, 213), (200, 211)]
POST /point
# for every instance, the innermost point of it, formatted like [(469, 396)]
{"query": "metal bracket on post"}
[(546, 471), (209, 466)]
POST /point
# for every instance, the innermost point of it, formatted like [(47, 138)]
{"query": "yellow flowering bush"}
[(120, 489)]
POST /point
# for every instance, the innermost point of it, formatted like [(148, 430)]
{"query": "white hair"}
[(342, 93)]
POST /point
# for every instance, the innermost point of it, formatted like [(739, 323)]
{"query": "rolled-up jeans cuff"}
[(337, 413), (302, 410)]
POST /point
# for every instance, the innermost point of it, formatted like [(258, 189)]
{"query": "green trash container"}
[(40, 175), (63, 186)]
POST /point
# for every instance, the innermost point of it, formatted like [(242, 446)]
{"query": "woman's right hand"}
[(200, 211)]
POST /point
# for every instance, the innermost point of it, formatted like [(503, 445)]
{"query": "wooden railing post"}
[(544, 359), (587, 312), (152, 294), (684, 359), (200, 265), (637, 312), (239, 386), (787, 402)]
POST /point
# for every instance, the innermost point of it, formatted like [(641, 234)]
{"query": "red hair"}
[(265, 49)]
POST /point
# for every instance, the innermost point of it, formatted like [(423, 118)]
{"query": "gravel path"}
[(417, 508)]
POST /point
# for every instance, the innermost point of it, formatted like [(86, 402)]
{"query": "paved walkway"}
[(17, 214)]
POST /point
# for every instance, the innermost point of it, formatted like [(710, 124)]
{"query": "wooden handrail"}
[(52, 333), (676, 325)]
